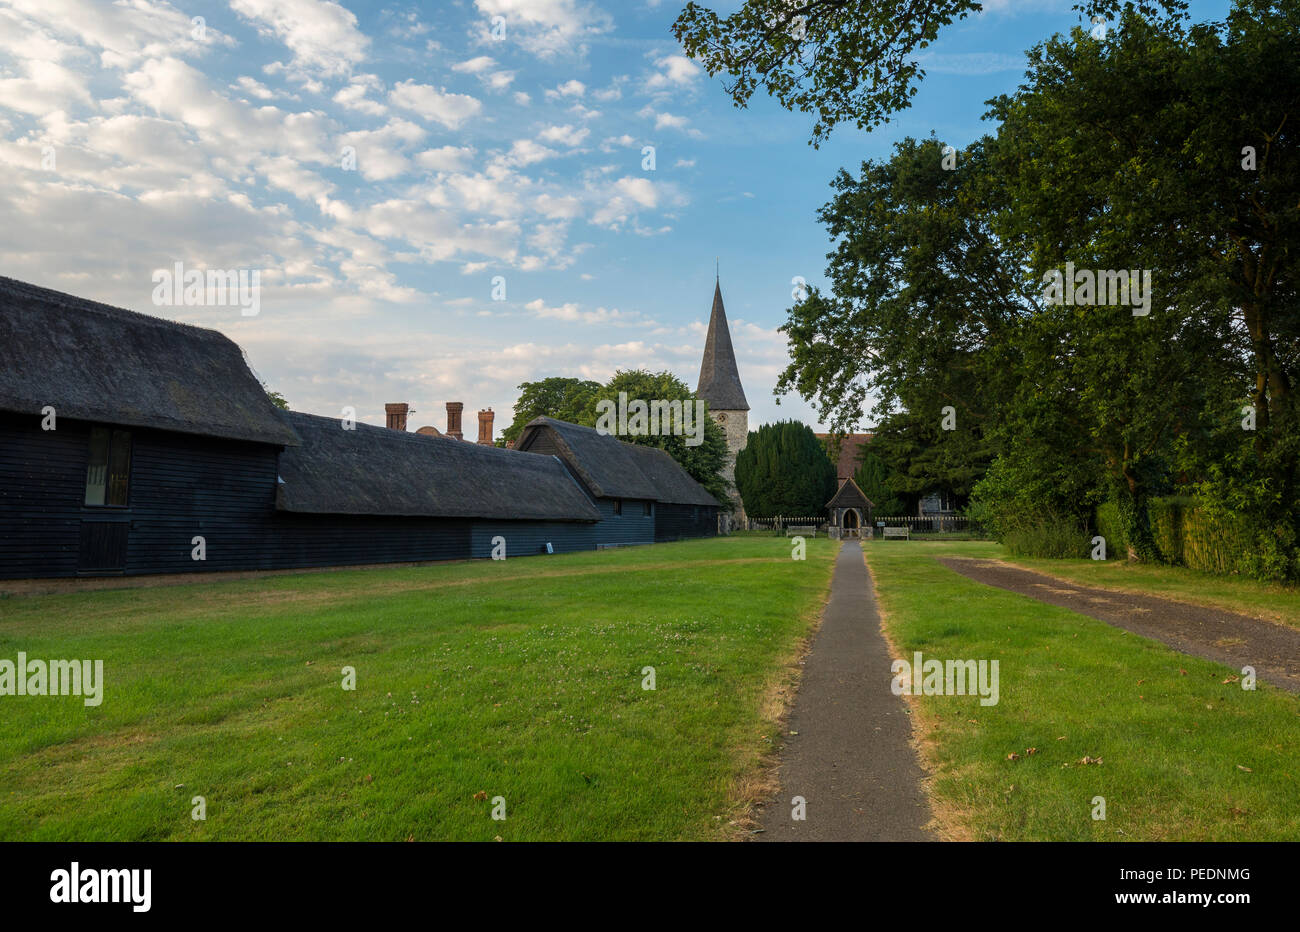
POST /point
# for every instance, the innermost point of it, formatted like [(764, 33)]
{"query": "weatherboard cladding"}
[(94, 362), (610, 468), (377, 471)]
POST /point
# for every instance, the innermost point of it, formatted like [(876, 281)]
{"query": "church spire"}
[(719, 378)]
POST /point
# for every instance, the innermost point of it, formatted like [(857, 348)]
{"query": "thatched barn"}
[(642, 494), (134, 445)]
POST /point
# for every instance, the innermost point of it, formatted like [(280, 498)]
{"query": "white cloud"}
[(675, 73), (548, 28), (475, 65), (570, 88), (321, 34), (526, 152), (353, 95), (564, 135), (446, 158), (451, 110)]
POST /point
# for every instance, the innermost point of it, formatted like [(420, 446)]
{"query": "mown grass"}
[(520, 679), (1184, 756)]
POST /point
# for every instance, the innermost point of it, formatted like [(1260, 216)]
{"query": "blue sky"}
[(476, 157)]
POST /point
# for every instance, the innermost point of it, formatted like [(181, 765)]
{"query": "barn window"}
[(109, 470), (649, 508), (618, 507)]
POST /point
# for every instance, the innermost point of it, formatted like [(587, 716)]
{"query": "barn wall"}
[(527, 538), (42, 486), (678, 522), (302, 540), (632, 527), (184, 486)]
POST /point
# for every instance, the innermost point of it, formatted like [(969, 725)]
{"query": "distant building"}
[(720, 388), (853, 447), (849, 458)]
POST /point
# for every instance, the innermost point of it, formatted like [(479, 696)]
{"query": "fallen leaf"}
[(481, 794), (1013, 756), (1247, 769)]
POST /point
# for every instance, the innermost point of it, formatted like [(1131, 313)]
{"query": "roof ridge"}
[(74, 303)]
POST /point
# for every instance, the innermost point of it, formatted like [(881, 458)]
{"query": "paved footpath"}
[(851, 757)]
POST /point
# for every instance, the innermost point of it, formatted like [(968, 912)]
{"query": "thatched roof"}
[(719, 383), (94, 362), (611, 468), (849, 496), (379, 471)]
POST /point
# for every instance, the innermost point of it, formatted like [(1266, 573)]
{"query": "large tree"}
[(784, 470), (1122, 153), (845, 61), (704, 461), (563, 398), (577, 400)]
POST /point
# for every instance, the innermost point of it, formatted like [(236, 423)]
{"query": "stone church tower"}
[(720, 387)]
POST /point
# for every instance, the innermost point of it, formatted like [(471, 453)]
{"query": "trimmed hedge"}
[(1188, 536)]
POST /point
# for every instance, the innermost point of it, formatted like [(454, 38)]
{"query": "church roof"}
[(719, 379), (849, 496)]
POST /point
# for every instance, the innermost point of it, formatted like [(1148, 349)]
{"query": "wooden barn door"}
[(103, 547)]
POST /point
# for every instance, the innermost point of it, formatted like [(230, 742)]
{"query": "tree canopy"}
[(1160, 158), (845, 61), (576, 400)]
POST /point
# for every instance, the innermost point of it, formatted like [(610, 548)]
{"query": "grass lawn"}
[(1183, 757), (1274, 602), (521, 679)]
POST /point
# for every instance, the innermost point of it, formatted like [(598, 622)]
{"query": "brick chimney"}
[(454, 408), (485, 426), (397, 415)]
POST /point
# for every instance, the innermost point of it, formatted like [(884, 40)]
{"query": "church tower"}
[(720, 387)]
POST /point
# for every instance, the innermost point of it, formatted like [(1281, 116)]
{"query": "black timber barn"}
[(134, 445), (643, 495)]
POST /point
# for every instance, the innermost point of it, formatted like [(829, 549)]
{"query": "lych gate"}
[(850, 510)]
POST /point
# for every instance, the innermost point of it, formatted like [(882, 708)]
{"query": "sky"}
[(388, 166)]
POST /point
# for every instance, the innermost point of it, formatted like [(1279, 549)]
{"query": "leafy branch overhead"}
[(844, 61)]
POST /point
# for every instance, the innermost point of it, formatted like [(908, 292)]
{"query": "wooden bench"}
[(901, 533), (801, 530)]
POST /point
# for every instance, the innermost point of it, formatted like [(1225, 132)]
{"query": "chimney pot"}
[(454, 409), (396, 413), (485, 419)]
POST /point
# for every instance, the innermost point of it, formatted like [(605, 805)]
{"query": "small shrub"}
[(1048, 536)]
